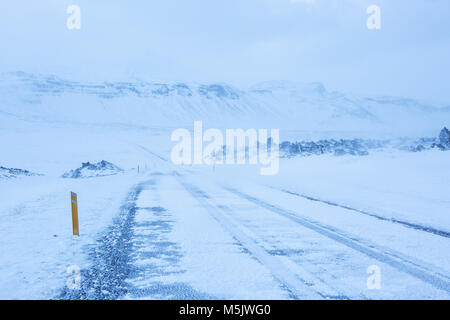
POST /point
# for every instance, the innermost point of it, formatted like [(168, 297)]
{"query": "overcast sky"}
[(237, 41)]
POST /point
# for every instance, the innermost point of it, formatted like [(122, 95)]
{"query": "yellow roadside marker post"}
[(73, 197)]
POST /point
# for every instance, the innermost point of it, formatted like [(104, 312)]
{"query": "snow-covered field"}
[(190, 232)]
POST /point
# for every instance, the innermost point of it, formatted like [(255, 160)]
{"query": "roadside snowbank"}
[(36, 229)]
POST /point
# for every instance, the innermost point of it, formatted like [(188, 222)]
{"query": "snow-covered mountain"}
[(275, 104)]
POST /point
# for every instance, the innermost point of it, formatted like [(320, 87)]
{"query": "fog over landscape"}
[(136, 137)]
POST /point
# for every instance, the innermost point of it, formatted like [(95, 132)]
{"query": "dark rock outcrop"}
[(90, 170)]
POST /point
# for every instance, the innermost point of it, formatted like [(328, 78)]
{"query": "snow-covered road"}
[(195, 237), (318, 230)]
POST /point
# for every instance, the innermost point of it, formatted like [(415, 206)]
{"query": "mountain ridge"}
[(283, 104)]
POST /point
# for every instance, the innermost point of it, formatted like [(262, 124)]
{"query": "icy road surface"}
[(225, 243), (185, 235)]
